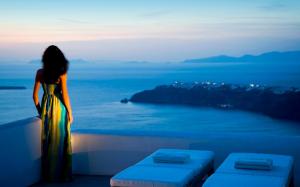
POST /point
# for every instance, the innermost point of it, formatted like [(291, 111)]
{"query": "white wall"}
[(100, 152), (108, 152), (20, 152)]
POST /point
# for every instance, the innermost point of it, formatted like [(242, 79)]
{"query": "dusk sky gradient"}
[(156, 30)]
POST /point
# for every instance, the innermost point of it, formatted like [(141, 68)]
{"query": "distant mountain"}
[(79, 61), (136, 62), (72, 61), (35, 61), (290, 56)]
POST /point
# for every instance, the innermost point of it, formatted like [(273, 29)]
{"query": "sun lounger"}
[(272, 170), (167, 173)]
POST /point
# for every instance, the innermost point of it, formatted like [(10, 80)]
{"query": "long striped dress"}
[(56, 136)]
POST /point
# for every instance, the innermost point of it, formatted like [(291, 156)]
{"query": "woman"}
[(56, 114)]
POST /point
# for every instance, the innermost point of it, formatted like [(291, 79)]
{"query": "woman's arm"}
[(65, 96), (35, 94)]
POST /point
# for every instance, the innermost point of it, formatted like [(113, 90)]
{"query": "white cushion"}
[(282, 164), (254, 163), (144, 176), (199, 160), (171, 158), (240, 180), (149, 173), (229, 176)]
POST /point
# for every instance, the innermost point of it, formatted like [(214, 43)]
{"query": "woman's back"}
[(51, 88)]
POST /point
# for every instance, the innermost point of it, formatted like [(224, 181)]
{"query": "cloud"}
[(273, 7), (74, 21), (155, 14)]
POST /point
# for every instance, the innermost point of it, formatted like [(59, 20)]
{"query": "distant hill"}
[(35, 61), (290, 56), (271, 101), (72, 61)]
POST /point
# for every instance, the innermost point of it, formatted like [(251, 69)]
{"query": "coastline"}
[(274, 102), (12, 88)]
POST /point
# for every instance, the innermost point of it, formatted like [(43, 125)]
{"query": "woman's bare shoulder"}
[(39, 74), (39, 71), (63, 76)]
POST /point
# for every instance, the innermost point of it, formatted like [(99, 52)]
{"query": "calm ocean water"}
[(95, 92)]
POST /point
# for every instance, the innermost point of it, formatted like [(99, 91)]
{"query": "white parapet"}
[(20, 152), (104, 152)]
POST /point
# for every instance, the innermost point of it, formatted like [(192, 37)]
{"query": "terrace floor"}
[(80, 181)]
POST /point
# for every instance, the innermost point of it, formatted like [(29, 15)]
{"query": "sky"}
[(144, 30)]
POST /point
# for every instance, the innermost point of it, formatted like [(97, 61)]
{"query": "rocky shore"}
[(271, 101)]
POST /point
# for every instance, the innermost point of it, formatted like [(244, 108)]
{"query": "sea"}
[(96, 89)]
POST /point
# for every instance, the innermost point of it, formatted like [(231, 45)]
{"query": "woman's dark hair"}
[(54, 64)]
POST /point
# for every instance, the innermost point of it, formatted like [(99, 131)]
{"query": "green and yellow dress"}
[(56, 136)]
